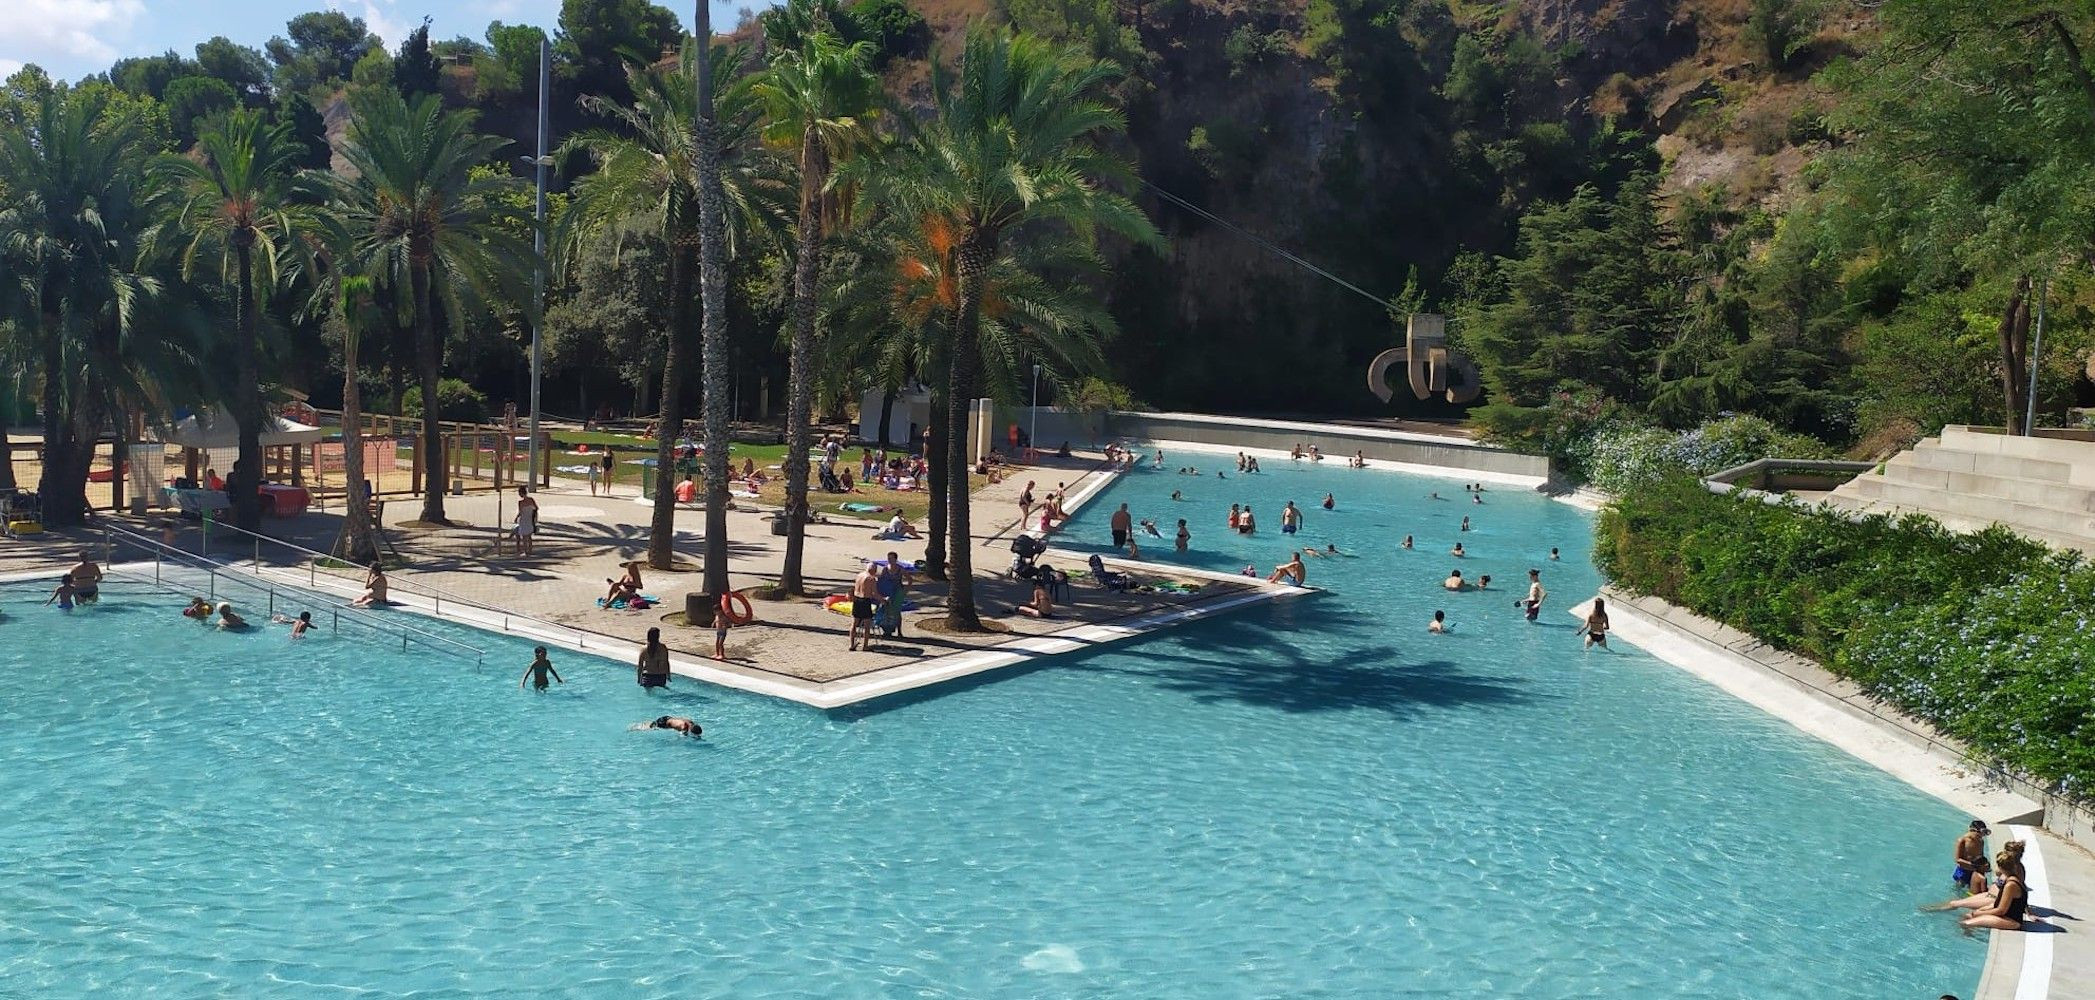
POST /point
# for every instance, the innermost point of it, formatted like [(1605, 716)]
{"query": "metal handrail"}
[(436, 594), (213, 569)]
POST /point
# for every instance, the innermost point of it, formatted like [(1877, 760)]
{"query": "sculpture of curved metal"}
[(1430, 366)]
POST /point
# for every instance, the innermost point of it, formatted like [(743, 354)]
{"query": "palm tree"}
[(820, 99), (74, 237), (234, 200), (1010, 150), (712, 291), (891, 312), (354, 310), (418, 217), (647, 170)]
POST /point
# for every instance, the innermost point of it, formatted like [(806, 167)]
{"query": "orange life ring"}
[(732, 600)]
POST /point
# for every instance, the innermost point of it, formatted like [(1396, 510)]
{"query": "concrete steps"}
[(2040, 487)]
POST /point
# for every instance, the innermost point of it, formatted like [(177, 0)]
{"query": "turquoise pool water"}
[(1312, 799)]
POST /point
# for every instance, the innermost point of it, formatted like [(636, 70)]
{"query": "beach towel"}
[(649, 601), (854, 507)]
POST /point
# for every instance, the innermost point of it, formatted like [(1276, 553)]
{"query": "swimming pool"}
[(1314, 798)]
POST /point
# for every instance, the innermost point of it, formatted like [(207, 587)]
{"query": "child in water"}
[(538, 670), (64, 593)]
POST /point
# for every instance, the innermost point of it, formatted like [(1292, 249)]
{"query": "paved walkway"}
[(797, 648)]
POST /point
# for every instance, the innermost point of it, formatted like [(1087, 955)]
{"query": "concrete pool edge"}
[(2018, 966)]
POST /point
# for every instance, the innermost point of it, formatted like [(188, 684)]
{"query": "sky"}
[(72, 38)]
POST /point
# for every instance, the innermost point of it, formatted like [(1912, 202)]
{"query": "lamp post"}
[(1033, 432), (538, 245)]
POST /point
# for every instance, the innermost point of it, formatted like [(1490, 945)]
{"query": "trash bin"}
[(778, 524)]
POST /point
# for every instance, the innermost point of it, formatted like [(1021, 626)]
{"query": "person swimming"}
[(198, 609), (1484, 582), (1178, 495), (1330, 502), (299, 625), (1454, 581), (1407, 541), (1457, 551), (228, 621), (1465, 524), (1439, 624), (677, 724), (1553, 553), (87, 579)]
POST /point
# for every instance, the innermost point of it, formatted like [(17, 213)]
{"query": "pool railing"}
[(282, 554), (267, 591)]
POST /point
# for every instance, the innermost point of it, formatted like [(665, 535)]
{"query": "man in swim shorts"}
[(1970, 873), (678, 724), (1290, 518), (1122, 523), (865, 603), (1533, 602)]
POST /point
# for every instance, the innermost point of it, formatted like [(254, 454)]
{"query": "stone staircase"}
[(2041, 487)]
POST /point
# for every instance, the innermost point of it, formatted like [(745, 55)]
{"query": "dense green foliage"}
[(1986, 635)]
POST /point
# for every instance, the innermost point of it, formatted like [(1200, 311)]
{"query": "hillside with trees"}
[(1850, 220)]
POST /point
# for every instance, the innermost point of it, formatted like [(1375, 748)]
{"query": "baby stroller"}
[(22, 513), (830, 482), (1025, 549)]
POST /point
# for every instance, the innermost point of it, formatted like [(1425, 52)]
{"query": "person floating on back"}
[(539, 669)]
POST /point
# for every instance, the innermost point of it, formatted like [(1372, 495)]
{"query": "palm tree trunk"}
[(935, 458), (431, 351), (961, 614), (360, 546), (800, 389), (887, 414), (712, 286), (243, 484), (669, 423)]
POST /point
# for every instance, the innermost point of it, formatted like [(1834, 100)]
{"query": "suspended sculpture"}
[(1430, 366)]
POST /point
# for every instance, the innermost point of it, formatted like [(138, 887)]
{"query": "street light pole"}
[(1033, 432), (538, 244)]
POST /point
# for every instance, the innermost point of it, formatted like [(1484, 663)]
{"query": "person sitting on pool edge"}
[(2010, 903), (374, 594), (2011, 861), (1292, 571)]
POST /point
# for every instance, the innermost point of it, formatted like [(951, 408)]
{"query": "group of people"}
[(1996, 891), (877, 598), (1050, 506), (653, 672), (80, 585)]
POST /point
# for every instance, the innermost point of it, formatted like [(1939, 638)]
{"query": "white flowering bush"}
[(1625, 458), (1987, 635)]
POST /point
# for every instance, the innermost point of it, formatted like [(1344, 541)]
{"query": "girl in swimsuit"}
[(64, 593), (2010, 903)]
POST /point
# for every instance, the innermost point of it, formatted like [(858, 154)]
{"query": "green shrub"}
[(456, 400), (1989, 636)]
